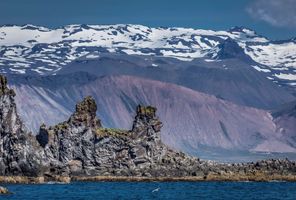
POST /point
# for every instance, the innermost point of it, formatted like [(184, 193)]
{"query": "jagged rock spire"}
[(9, 119), (3, 84), (3, 87), (71, 144), (87, 106), (146, 121), (19, 151), (86, 113), (146, 112)]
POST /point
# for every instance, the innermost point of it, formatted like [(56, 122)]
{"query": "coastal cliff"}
[(81, 149)]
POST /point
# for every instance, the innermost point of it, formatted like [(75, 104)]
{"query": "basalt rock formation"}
[(81, 147), (19, 151)]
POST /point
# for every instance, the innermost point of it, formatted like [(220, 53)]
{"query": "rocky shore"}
[(80, 149), (232, 177)]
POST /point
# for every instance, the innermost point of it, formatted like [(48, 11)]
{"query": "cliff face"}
[(19, 151), (81, 147), (10, 120)]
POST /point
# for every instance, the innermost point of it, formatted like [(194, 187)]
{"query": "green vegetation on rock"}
[(146, 110), (111, 132)]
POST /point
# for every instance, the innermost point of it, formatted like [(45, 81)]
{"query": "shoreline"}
[(209, 178)]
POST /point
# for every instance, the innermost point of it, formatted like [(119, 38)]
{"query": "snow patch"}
[(92, 56), (291, 77), (260, 69), (21, 71)]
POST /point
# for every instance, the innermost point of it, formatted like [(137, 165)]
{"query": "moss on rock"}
[(146, 111), (102, 132)]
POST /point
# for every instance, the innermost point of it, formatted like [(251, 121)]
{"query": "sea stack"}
[(20, 153)]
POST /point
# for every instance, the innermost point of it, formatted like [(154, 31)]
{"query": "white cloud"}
[(279, 13)]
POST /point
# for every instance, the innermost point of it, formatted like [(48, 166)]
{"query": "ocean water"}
[(154, 190)]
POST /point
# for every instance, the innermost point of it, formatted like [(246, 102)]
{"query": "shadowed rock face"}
[(230, 49), (232, 78), (10, 120), (146, 117), (17, 146), (86, 113), (81, 147), (285, 120), (70, 145)]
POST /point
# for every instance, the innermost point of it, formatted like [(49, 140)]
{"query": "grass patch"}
[(114, 132)]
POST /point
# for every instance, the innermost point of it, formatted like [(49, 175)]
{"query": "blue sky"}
[(275, 19)]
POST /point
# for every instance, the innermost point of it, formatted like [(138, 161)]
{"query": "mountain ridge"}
[(230, 79), (237, 66), (46, 51)]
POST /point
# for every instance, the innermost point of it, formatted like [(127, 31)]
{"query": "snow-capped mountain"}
[(209, 86), (32, 49)]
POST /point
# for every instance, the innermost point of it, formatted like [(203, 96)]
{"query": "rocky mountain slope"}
[(285, 120), (231, 78), (196, 123), (80, 147), (32, 49)]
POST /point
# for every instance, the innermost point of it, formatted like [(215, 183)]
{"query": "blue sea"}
[(154, 190)]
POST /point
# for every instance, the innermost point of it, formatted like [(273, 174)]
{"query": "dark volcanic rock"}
[(19, 151), (229, 48), (86, 113), (81, 147), (146, 124), (70, 145)]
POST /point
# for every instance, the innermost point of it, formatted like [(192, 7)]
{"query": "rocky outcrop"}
[(81, 147), (19, 151), (69, 147)]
